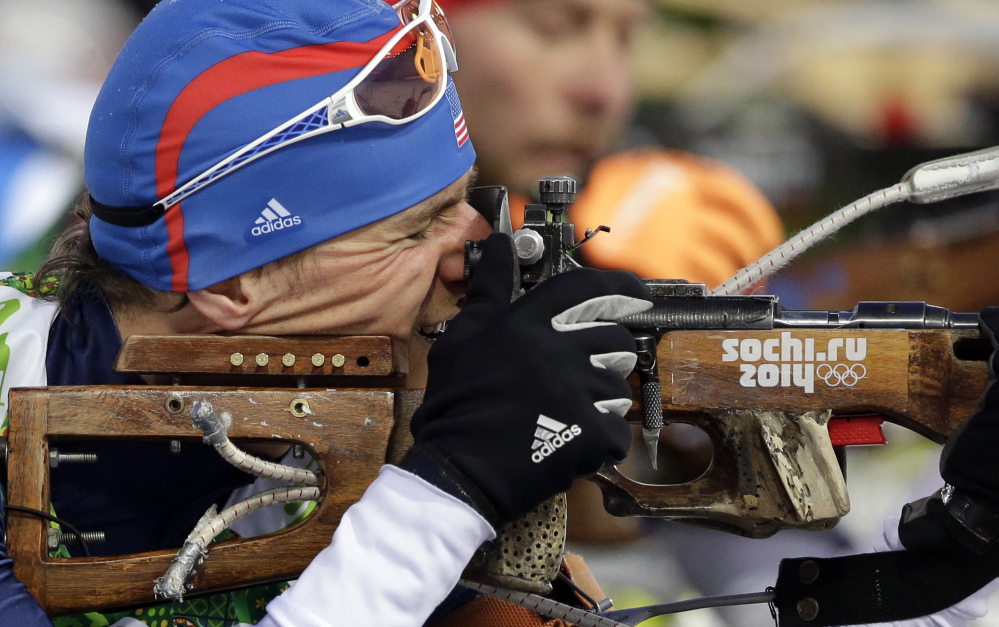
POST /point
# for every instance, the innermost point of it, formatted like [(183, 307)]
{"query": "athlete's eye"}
[(421, 234)]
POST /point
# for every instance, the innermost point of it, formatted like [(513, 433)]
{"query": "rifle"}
[(773, 387), (765, 383)]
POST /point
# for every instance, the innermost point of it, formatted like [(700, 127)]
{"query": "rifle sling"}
[(877, 587)]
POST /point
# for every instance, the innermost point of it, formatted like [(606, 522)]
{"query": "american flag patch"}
[(460, 130)]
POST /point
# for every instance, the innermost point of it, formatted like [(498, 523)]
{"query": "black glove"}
[(523, 398), (966, 511)]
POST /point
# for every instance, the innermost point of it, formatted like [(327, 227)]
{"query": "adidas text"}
[(274, 218), (276, 225), (555, 442)]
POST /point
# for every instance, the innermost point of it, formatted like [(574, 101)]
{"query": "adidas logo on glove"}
[(550, 436), (274, 218)]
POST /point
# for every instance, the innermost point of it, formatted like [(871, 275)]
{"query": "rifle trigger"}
[(652, 406)]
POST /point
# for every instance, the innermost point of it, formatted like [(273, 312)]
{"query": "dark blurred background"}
[(820, 102)]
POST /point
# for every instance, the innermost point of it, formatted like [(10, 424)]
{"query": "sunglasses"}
[(406, 79)]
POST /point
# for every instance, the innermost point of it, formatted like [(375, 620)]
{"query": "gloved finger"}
[(990, 321), (602, 308), (617, 406), (614, 441), (604, 385), (989, 324), (600, 340), (620, 362), (566, 290), (489, 289)]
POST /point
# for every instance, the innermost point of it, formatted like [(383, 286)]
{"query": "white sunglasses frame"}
[(342, 106)]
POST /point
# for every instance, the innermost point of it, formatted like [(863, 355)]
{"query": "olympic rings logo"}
[(841, 374)]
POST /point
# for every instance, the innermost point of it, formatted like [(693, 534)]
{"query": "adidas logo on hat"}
[(550, 436), (274, 218)]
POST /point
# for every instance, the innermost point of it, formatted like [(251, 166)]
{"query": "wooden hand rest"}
[(349, 432), (764, 398)]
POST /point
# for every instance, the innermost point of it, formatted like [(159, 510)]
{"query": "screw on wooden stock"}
[(288, 360), (174, 404), (236, 359), (318, 360), (338, 360), (262, 359), (54, 538), (299, 408), (56, 458)]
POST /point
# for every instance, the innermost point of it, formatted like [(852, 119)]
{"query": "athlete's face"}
[(545, 84), (393, 277)]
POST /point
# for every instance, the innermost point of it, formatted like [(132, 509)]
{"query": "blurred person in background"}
[(551, 93)]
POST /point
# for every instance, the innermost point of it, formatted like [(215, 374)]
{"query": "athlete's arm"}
[(395, 556)]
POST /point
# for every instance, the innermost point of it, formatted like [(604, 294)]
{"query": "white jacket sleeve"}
[(394, 557), (973, 607)]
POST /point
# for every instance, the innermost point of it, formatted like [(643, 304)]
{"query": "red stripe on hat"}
[(227, 79)]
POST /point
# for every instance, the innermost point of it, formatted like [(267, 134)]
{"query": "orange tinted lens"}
[(437, 14), (405, 83), (408, 11)]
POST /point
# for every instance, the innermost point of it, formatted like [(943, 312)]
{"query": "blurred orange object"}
[(673, 216)]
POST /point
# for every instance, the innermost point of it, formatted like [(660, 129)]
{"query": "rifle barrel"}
[(693, 313)]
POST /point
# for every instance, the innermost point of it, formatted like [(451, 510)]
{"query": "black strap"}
[(978, 524), (877, 587), (127, 216), (949, 519)]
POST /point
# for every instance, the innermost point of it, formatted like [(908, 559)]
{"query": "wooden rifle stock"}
[(352, 418), (765, 399), (773, 468)]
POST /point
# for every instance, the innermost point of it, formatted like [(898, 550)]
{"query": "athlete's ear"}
[(230, 304)]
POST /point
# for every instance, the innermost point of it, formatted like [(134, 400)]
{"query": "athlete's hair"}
[(75, 263)]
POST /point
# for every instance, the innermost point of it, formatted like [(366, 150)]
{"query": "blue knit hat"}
[(200, 79)]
